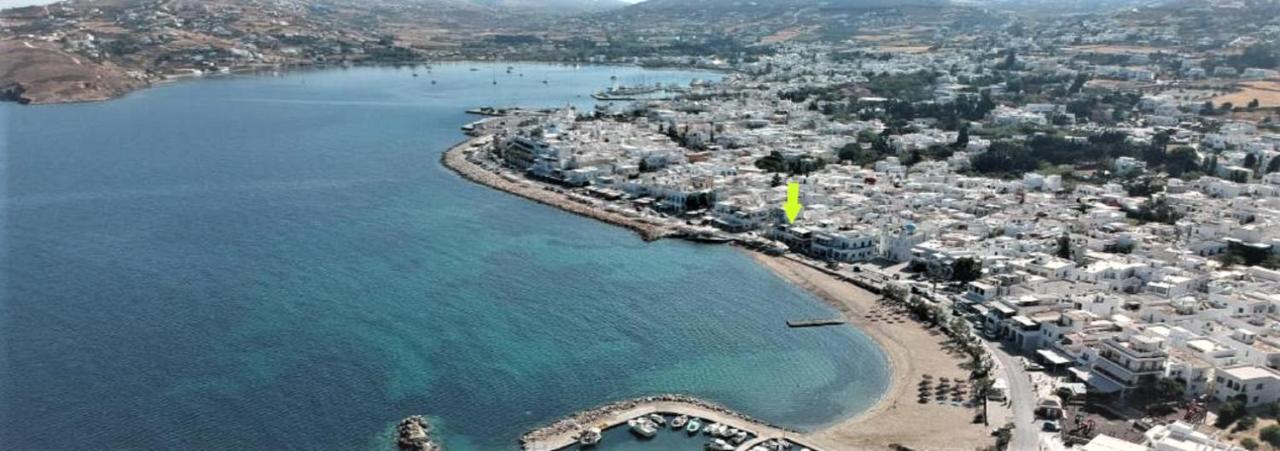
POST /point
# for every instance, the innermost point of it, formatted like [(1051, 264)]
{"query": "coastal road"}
[(1026, 436)]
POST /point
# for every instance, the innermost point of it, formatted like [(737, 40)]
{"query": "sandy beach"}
[(912, 349)]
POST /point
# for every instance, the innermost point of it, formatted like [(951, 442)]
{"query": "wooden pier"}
[(815, 322)]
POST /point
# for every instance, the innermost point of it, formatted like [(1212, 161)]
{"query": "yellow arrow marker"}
[(792, 207)]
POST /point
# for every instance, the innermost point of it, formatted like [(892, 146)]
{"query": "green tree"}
[(1253, 104), (1273, 165), (1211, 165), (1078, 83), (1270, 434), (1250, 161), (1181, 160), (1232, 410), (1166, 389), (1257, 55), (881, 143), (966, 270), (1064, 247), (896, 294), (1249, 443), (1246, 423), (962, 139), (1010, 60)]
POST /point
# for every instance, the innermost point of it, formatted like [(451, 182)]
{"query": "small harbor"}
[(673, 421)]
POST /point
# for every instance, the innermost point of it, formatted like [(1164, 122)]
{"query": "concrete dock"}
[(815, 322)]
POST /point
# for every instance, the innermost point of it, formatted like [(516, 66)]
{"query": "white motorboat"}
[(658, 419), (643, 427), (679, 422), (590, 437), (719, 445)]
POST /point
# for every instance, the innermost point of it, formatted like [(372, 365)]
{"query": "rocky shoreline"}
[(456, 159), (414, 434), (587, 418)]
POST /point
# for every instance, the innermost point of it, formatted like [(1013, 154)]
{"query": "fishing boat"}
[(693, 426), (590, 437), (679, 422)]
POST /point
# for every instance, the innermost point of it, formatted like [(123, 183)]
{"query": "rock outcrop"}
[(414, 434)]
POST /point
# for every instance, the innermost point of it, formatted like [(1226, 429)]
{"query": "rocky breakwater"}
[(414, 434)]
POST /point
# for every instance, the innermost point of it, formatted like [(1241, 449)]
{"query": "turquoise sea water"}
[(260, 262)]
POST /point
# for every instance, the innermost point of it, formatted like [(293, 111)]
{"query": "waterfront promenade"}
[(456, 159)]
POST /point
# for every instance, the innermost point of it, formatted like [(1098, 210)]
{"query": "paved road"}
[(1026, 435)]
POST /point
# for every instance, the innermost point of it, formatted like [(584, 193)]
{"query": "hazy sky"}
[(16, 3)]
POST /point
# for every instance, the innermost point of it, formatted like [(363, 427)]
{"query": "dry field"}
[(1266, 91), (1115, 49), (45, 74), (784, 35), (902, 48)]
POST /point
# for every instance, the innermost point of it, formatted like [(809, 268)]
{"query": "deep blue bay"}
[(280, 262)]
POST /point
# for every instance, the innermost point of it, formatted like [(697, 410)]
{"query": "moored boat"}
[(719, 445), (643, 427), (679, 422), (693, 426)]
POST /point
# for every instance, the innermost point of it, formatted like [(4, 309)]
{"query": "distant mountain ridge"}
[(1077, 6), (551, 6), (747, 5)]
